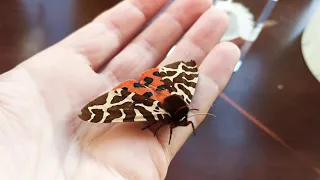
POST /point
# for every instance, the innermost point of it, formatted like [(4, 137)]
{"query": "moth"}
[(163, 95)]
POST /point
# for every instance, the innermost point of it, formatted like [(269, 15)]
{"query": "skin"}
[(41, 136)]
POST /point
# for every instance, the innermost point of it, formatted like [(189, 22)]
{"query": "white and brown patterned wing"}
[(121, 105), (181, 78)]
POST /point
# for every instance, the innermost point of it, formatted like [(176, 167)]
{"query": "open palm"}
[(41, 136)]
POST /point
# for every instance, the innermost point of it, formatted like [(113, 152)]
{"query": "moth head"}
[(181, 113), (176, 106)]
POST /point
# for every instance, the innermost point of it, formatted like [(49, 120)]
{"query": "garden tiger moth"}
[(162, 95)]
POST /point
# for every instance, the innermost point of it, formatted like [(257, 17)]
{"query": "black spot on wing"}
[(156, 73), (161, 88), (148, 80), (147, 94), (138, 85)]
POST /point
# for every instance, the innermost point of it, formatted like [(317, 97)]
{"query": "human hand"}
[(41, 136)]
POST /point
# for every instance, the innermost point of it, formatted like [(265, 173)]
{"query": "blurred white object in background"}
[(310, 45), (223, 4), (241, 20), (242, 29)]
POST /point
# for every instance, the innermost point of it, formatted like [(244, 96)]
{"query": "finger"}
[(215, 72), (102, 38), (201, 37), (152, 45)]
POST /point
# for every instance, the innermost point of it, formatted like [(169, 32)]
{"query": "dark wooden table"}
[(268, 118)]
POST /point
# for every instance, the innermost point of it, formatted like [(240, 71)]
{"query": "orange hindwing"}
[(133, 86), (152, 79)]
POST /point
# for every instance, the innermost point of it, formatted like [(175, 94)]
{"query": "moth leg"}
[(194, 130), (187, 124), (171, 128), (155, 122), (155, 132)]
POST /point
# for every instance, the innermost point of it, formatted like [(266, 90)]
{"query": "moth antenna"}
[(202, 114)]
